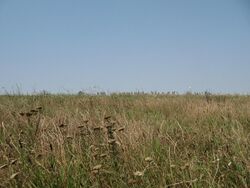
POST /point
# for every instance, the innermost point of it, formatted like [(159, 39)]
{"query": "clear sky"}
[(125, 45)]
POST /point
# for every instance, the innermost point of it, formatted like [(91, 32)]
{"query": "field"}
[(124, 140)]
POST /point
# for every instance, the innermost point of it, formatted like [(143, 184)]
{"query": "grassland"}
[(124, 141)]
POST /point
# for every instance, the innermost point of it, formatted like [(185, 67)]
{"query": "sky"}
[(125, 45)]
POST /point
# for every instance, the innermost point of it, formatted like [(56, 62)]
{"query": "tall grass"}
[(125, 141)]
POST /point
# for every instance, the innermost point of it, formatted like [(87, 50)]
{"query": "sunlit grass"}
[(125, 141)]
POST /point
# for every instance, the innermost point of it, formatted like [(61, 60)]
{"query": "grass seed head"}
[(69, 137), (138, 173), (103, 155), (97, 128), (107, 118), (121, 129), (3, 166), (12, 162), (13, 176), (172, 166), (80, 126), (112, 141), (21, 113), (62, 125), (149, 159), (85, 121), (33, 110), (97, 167), (39, 108), (28, 114)]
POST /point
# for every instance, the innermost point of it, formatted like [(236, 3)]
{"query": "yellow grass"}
[(124, 141)]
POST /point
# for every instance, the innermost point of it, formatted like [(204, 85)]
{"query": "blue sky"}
[(125, 45)]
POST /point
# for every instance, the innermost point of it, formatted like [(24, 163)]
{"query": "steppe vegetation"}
[(124, 140)]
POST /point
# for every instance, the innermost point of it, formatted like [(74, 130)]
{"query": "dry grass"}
[(124, 141)]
